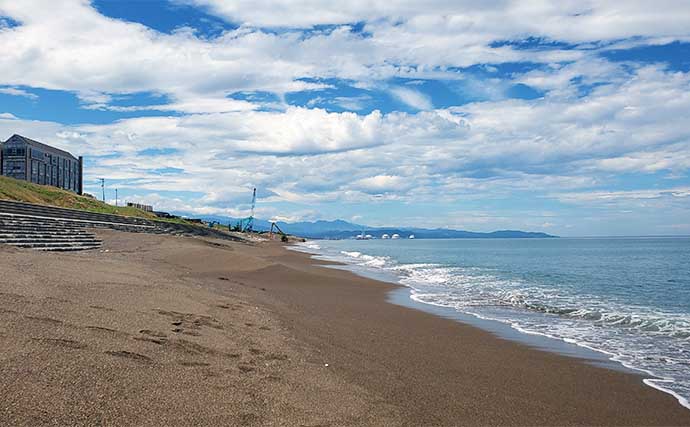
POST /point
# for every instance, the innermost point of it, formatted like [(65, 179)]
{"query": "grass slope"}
[(23, 191)]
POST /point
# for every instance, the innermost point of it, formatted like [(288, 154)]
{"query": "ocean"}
[(626, 298)]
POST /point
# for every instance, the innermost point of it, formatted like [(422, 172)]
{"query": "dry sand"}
[(162, 330)]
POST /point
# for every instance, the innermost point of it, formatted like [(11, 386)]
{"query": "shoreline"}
[(488, 336), (404, 296), (181, 331)]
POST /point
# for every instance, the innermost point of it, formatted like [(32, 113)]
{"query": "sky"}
[(567, 117)]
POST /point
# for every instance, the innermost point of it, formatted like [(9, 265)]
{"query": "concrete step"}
[(46, 246), (42, 222), (33, 218), (40, 210), (12, 241), (65, 249), (43, 231), (37, 224), (44, 235), (47, 236), (74, 220), (43, 225)]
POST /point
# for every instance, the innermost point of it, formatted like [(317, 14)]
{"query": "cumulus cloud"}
[(311, 156), (70, 46), (575, 21), (596, 119)]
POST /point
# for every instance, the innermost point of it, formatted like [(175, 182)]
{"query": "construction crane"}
[(247, 224), (250, 220)]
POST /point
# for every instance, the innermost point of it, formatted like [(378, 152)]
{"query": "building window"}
[(36, 154), (14, 152)]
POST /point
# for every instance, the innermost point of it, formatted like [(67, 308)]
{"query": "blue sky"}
[(564, 117)]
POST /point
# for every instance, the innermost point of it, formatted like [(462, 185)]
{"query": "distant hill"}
[(340, 229)]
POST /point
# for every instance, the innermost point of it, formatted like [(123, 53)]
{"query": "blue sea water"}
[(628, 298)]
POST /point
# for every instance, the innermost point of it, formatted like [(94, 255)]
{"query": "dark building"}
[(29, 160)]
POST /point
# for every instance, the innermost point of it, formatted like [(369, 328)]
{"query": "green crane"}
[(247, 224)]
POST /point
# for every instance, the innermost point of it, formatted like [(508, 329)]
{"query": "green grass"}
[(23, 191)]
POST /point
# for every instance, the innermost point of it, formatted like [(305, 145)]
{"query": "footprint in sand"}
[(152, 336), (193, 363), (106, 330), (98, 307), (76, 345), (151, 333), (190, 320), (276, 356), (190, 347), (130, 355)]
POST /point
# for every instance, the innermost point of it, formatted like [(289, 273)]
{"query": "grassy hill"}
[(22, 191)]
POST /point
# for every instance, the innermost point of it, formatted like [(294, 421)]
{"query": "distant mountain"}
[(340, 229), (422, 233), (307, 229)]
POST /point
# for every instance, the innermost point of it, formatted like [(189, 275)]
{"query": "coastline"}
[(375, 267), (200, 331), (601, 377)]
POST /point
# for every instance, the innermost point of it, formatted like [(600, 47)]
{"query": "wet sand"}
[(162, 330)]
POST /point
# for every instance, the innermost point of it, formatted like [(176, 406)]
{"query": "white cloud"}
[(381, 183), (70, 46), (478, 151), (17, 92), (412, 97), (632, 121), (576, 21), (618, 196)]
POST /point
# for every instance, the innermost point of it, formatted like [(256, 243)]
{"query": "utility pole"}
[(116, 197), (103, 188)]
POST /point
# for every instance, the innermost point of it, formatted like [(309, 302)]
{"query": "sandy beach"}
[(163, 330)]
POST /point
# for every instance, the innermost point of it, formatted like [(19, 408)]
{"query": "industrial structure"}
[(29, 160), (247, 224)]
